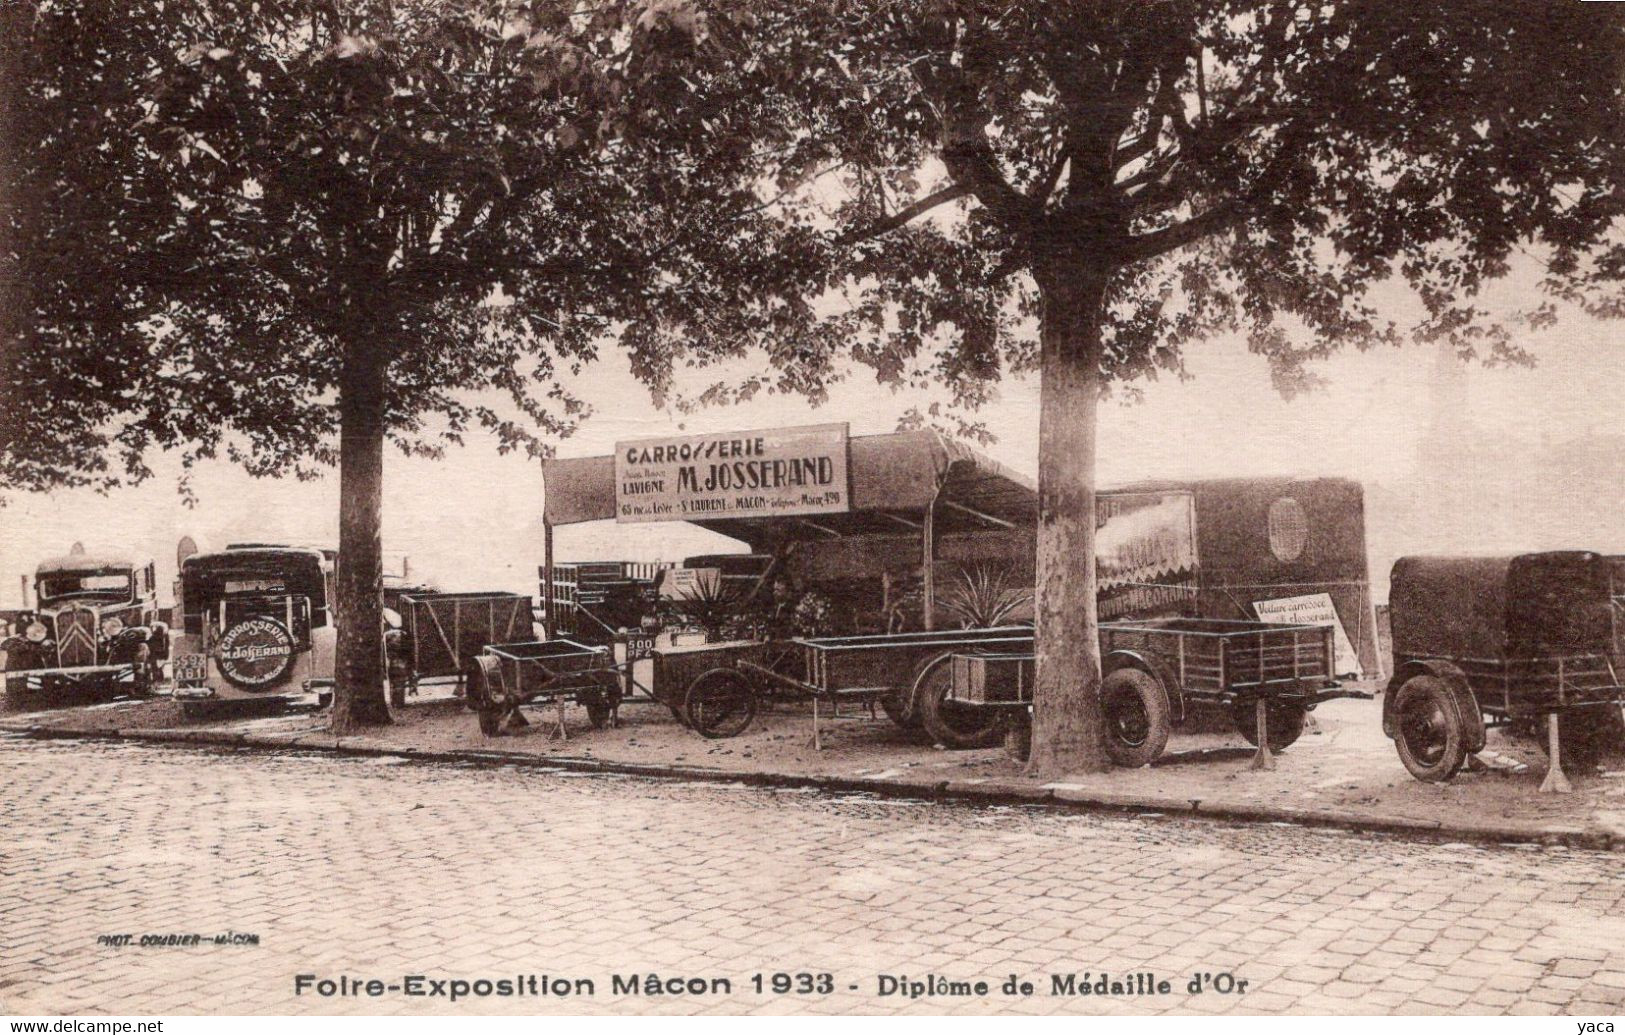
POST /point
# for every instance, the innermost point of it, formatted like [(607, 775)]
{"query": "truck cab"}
[(94, 631)]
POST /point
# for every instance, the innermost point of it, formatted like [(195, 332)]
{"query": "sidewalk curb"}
[(989, 791)]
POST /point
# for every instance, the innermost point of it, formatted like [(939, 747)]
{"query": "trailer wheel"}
[(1018, 737), (601, 704), (1429, 731), (720, 703), (1283, 721), (485, 693), (957, 726), (1585, 735), (491, 721), (1136, 710), (895, 704)]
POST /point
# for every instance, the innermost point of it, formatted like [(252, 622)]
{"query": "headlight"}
[(112, 626), (36, 632)]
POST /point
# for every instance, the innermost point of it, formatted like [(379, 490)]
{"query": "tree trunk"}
[(359, 699), (1067, 723)]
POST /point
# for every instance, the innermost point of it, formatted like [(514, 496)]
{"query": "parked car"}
[(1533, 640), (95, 632)]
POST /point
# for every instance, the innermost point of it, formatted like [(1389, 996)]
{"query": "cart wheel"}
[(1018, 738), (954, 725), (1135, 706), (720, 703), (485, 692), (1585, 735), (491, 720), (895, 704), (482, 676), (1283, 719), (1429, 731)]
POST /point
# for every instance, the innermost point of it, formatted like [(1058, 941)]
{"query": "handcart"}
[(504, 677)]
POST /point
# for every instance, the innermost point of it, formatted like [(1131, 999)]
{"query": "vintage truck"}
[(255, 622), (94, 633)]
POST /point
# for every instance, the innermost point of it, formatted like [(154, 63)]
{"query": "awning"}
[(895, 479)]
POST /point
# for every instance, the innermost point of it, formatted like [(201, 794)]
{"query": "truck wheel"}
[(1429, 732), (1137, 717), (720, 703), (952, 724), (1283, 720), (1585, 735), (142, 673), (601, 704)]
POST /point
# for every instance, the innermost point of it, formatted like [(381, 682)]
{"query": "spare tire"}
[(255, 654)]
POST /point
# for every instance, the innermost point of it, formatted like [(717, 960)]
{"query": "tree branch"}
[(904, 215), (1169, 238)]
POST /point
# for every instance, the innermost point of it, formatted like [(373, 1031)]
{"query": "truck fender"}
[(1466, 701), (1152, 666), (324, 644)]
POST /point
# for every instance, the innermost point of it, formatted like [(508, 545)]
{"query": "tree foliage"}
[(1252, 166), (205, 198)]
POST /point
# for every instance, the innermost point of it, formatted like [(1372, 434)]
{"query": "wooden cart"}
[(1269, 677), (504, 677), (441, 632), (866, 670)]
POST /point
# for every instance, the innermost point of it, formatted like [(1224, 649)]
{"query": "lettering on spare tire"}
[(255, 652)]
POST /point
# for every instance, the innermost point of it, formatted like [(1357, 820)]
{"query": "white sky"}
[(473, 520)]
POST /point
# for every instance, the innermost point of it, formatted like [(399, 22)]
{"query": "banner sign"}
[(689, 583), (1145, 552), (1313, 609), (775, 473)]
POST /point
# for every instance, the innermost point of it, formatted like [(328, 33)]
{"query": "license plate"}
[(639, 647), (191, 668)]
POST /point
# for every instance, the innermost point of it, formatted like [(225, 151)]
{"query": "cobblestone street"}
[(364, 869)]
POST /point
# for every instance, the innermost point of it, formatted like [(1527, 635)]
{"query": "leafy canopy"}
[(211, 202), (1251, 166)]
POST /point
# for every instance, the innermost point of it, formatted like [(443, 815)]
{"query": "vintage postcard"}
[(839, 507)]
